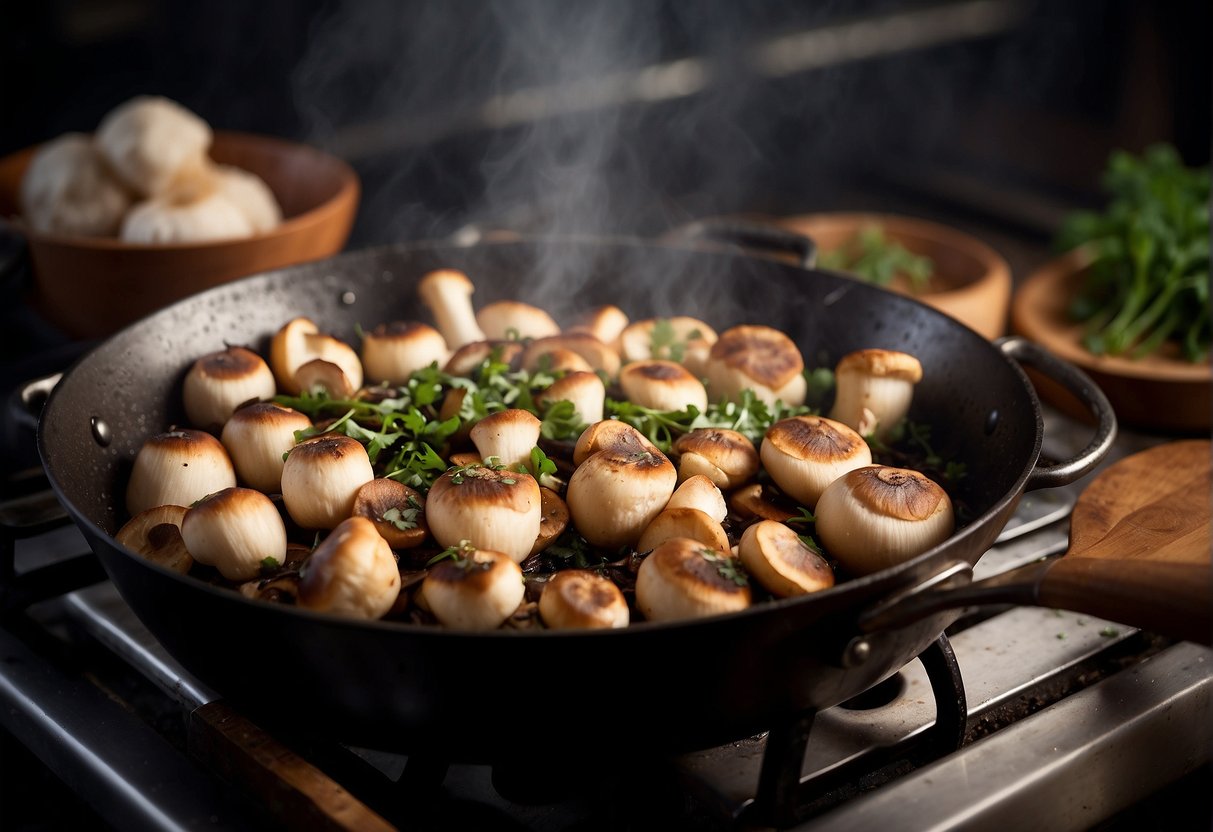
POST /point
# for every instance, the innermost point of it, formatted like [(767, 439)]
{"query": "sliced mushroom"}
[(554, 519), (507, 435), (876, 517), (511, 320), (779, 560), (684, 579), (757, 358), (683, 522), (321, 478), (220, 382), (493, 509), (178, 468), (577, 599), (678, 338), (156, 535), (235, 530), (448, 294), (476, 590), (397, 511), (393, 352), (662, 385), (352, 573), (257, 437), (585, 390), (724, 456), (615, 493), (804, 454), (700, 492), (874, 389)]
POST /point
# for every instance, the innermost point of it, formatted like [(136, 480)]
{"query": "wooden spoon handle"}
[(1165, 597)]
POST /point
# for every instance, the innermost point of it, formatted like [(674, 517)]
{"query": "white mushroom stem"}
[(876, 517), (393, 352), (235, 531), (757, 358), (219, 382), (679, 338), (724, 456), (662, 385), (683, 522), (874, 389), (448, 294), (584, 390), (257, 437), (492, 509), (615, 493), (156, 535), (576, 599), (321, 478), (178, 468), (804, 454), (352, 573), (701, 493), (476, 590), (513, 320), (684, 579), (780, 561), (508, 435)]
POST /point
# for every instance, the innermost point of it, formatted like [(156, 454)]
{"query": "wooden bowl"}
[(1160, 392), (971, 281), (90, 287)]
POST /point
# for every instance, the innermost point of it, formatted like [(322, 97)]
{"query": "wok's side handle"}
[(1086, 391)]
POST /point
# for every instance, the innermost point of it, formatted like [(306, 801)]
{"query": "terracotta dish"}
[(1161, 391), (90, 287), (971, 281)]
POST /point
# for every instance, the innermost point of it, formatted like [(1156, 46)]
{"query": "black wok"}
[(477, 697)]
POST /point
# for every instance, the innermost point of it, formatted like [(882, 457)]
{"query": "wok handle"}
[(1075, 381), (755, 236)]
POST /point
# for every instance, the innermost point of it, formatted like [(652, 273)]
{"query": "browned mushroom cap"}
[(554, 520), (235, 530), (615, 493), (699, 492), (178, 468), (448, 294), (683, 579), (605, 323), (555, 359), (610, 433), (678, 338), (779, 560), (576, 599), (352, 573), (257, 437), (220, 382), (683, 522), (804, 454), (724, 456), (466, 360), (757, 358), (394, 351), (598, 355), (499, 510), (585, 390), (476, 590), (506, 319), (397, 511), (156, 535), (321, 477), (662, 385), (756, 502)]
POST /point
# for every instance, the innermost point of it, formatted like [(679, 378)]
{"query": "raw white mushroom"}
[(172, 219), (67, 189), (149, 140), (251, 196)]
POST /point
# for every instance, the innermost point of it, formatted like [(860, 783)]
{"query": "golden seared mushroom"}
[(724, 456), (585, 390), (610, 433), (352, 573), (679, 338), (448, 294), (760, 359), (508, 435), (554, 359), (683, 522), (554, 520), (873, 390), (683, 579), (606, 323), (804, 454), (156, 535), (476, 589), (494, 509), (876, 517), (599, 356), (577, 599), (178, 468), (321, 478), (397, 511), (300, 341), (662, 385), (615, 493), (237, 531), (393, 352), (758, 502), (257, 437), (220, 382), (697, 491), (513, 320), (466, 360), (779, 560)]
